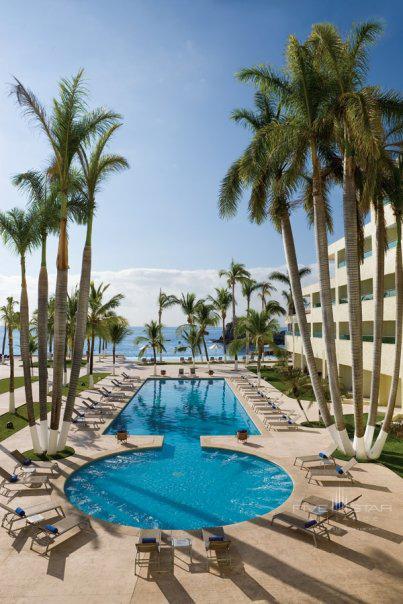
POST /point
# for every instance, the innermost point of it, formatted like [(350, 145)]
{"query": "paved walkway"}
[(362, 563)]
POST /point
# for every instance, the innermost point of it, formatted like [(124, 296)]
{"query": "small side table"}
[(35, 519), (320, 511), (182, 543)]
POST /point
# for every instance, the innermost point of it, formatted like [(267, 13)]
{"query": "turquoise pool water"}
[(180, 486)]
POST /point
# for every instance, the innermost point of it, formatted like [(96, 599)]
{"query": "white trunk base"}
[(236, 365), (11, 402), (379, 444), (258, 380), (63, 435), (36, 445), (64, 378), (44, 433), (91, 380), (88, 369), (359, 447), (334, 434), (345, 443), (113, 369), (368, 439), (52, 448)]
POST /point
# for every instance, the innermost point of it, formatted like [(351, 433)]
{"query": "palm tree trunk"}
[(379, 290), (292, 266), (4, 343), (155, 360), (42, 347), (160, 327), (326, 304), (223, 338), (387, 420), (11, 407), (300, 405), (25, 356), (79, 339), (234, 325), (259, 362), (114, 356), (91, 379), (205, 352), (354, 299), (247, 333), (59, 329)]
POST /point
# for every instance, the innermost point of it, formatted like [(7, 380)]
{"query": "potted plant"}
[(242, 435)]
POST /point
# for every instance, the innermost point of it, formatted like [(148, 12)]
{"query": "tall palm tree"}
[(99, 312), (283, 277), (118, 330), (193, 339), (19, 231), (3, 346), (165, 301), (261, 327), (153, 339), (188, 304), (66, 129), (11, 320), (97, 166), (51, 324), (269, 171), (266, 289), (305, 95), (221, 302), (43, 199), (205, 316), (237, 273)]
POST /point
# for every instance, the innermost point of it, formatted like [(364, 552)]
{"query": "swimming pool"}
[(180, 486)]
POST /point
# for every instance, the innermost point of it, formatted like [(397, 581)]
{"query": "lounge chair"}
[(335, 471), (30, 480), (189, 359), (220, 359), (48, 534), (192, 371), (13, 515), (147, 547), (109, 405), (274, 424), (217, 545), (131, 378), (212, 359), (88, 422), (181, 371), (24, 462), (182, 360), (323, 456), (309, 527), (98, 411), (319, 506)]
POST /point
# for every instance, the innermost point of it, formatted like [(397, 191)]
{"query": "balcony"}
[(389, 293), (389, 339), (343, 300), (316, 305), (367, 254), (368, 296), (341, 263), (317, 334), (344, 336), (392, 244)]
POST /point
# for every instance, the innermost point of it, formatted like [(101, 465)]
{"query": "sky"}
[(168, 67)]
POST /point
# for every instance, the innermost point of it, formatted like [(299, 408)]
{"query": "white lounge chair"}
[(13, 515), (309, 527), (47, 534), (321, 456), (335, 471)]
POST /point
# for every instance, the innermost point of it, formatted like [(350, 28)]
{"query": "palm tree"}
[(269, 171), (19, 231), (118, 330), (249, 286), (283, 277), (221, 302), (11, 321), (266, 289), (99, 313), (51, 323), (260, 326), (67, 130), (297, 383), (3, 347), (96, 167), (305, 95), (153, 339), (165, 301), (43, 199), (188, 304), (193, 338), (236, 273), (33, 348), (205, 316)]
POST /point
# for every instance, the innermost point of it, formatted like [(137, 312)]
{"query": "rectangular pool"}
[(183, 409)]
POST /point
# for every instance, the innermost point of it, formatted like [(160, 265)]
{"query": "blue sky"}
[(168, 67)]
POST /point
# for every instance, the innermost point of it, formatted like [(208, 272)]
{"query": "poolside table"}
[(182, 543)]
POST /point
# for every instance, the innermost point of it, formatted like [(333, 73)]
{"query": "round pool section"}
[(172, 489)]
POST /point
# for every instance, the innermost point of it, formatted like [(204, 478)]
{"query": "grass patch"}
[(67, 451), (68, 363), (392, 454), (19, 420), (83, 382), (18, 382), (275, 377)]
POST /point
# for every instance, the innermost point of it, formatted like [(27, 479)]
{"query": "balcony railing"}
[(388, 339), (365, 297), (316, 304), (341, 263), (388, 293), (317, 334), (343, 300), (392, 244), (368, 254), (344, 336), (368, 338)]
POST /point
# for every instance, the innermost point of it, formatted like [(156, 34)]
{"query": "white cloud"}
[(140, 287)]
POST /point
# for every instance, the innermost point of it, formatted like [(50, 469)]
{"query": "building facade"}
[(337, 258)]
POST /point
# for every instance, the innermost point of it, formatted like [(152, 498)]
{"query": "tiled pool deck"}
[(362, 563)]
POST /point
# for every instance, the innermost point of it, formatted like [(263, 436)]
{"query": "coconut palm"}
[(205, 316), (283, 277), (51, 323), (118, 330), (237, 273), (33, 348), (165, 301), (297, 382), (97, 166), (269, 171), (20, 233), (221, 302), (153, 339), (193, 340), (261, 327), (305, 94), (3, 346), (188, 304), (42, 196), (266, 289), (11, 320), (99, 312), (66, 130), (249, 286)]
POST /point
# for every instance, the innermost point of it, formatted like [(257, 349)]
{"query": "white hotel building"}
[(337, 258)]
